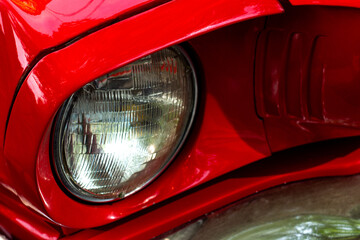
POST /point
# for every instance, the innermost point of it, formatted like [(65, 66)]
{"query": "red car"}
[(166, 118)]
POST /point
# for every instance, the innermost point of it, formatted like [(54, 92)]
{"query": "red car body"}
[(272, 75)]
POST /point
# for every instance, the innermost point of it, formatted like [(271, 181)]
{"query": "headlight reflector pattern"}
[(117, 133)]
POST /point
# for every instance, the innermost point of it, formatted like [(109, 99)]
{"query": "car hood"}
[(37, 25), (31, 29)]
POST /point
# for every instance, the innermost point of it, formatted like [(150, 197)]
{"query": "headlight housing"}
[(117, 133)]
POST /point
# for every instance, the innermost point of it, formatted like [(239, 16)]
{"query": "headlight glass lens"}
[(117, 133)]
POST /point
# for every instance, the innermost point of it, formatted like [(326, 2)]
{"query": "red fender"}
[(57, 75)]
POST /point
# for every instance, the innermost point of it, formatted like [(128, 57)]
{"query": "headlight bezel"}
[(59, 128)]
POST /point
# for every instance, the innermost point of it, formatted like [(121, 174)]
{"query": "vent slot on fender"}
[(307, 76)]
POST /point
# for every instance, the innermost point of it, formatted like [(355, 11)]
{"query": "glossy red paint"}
[(42, 24), (227, 134), (216, 149), (32, 28), (335, 158), (20, 222), (308, 76), (342, 3)]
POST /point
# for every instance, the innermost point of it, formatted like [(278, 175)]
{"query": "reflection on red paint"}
[(35, 86), (34, 7)]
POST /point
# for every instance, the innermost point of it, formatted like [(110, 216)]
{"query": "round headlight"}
[(117, 133)]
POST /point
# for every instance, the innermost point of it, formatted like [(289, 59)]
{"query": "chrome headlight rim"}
[(59, 128)]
